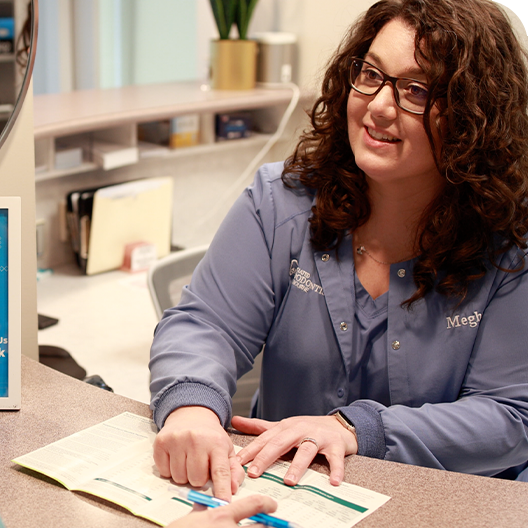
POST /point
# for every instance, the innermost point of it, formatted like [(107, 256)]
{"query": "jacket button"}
[(343, 327), (325, 257), (401, 273), (395, 345), (340, 393)]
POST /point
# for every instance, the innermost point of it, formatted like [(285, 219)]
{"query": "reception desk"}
[(55, 406)]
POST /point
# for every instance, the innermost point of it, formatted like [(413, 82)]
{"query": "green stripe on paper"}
[(187, 503), (316, 491), (134, 492)]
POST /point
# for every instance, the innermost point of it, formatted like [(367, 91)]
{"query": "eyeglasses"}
[(410, 95)]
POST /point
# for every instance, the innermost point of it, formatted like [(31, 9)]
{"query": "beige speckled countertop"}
[(55, 406)]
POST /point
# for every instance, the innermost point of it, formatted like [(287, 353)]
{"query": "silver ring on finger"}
[(308, 439)]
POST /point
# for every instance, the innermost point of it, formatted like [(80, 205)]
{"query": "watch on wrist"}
[(345, 422)]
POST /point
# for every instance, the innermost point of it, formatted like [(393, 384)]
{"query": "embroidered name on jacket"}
[(301, 279), (463, 320)]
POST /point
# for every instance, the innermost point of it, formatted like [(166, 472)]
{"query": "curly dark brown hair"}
[(478, 81)]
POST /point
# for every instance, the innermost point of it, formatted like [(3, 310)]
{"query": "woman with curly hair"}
[(382, 265)]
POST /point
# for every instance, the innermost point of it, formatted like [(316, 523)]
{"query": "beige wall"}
[(517, 24), (17, 178), (321, 25)]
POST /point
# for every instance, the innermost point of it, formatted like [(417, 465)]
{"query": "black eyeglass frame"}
[(385, 80)]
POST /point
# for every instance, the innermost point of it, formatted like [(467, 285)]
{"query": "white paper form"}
[(113, 460), (314, 502)]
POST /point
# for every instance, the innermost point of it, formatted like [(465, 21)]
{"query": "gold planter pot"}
[(233, 64)]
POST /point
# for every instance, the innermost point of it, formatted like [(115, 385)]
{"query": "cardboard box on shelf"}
[(185, 131), (233, 126)]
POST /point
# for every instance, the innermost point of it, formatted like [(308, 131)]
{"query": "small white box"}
[(111, 155), (68, 153), (68, 158), (139, 256)]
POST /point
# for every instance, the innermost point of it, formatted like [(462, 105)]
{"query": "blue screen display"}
[(4, 305)]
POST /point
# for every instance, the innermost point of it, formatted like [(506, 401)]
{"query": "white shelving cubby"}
[(201, 173)]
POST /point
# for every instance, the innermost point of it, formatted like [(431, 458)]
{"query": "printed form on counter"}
[(113, 460)]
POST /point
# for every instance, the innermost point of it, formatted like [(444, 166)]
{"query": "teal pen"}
[(213, 502)]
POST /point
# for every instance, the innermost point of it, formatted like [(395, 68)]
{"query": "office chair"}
[(165, 280)]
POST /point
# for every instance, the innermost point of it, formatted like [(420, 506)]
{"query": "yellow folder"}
[(138, 211)]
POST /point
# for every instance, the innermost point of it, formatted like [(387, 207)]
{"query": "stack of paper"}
[(111, 155)]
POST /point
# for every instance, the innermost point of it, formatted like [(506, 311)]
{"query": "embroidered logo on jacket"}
[(301, 279), (462, 320)]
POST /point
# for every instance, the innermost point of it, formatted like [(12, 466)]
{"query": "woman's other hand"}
[(327, 436), (226, 516), (193, 447)]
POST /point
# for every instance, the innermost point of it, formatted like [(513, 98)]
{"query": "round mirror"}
[(18, 42)]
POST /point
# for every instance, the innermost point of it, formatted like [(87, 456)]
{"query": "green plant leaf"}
[(243, 16), (224, 12)]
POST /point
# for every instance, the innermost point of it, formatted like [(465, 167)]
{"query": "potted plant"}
[(233, 61)]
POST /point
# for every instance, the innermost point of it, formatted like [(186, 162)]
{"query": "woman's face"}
[(389, 144)]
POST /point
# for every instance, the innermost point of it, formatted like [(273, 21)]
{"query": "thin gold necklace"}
[(360, 250)]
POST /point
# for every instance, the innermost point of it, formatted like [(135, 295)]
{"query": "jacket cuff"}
[(187, 394), (369, 429)]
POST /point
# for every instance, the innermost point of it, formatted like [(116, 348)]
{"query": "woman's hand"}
[(193, 447), (277, 438), (227, 516)]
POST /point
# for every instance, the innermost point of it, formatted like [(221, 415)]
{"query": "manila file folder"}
[(137, 211)]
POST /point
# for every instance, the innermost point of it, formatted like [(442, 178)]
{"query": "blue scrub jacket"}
[(457, 376)]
